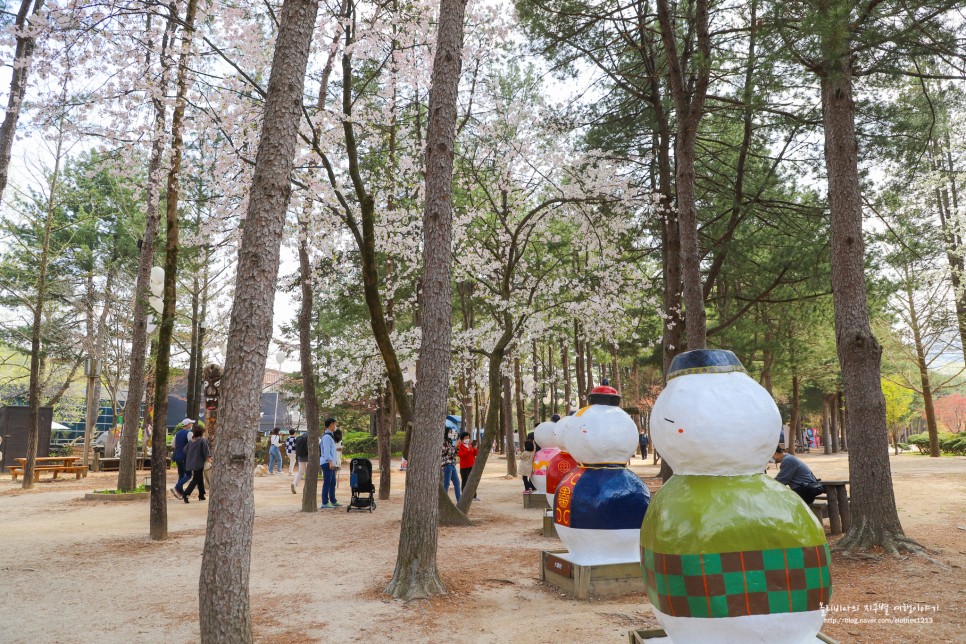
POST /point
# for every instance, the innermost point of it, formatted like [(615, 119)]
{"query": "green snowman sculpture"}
[(728, 554)]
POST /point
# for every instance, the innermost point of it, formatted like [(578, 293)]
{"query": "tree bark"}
[(416, 574), (926, 388), (127, 467), (688, 90), (22, 59), (536, 385), (840, 411), (384, 437), (826, 426), (40, 300), (579, 367), (310, 396), (875, 519), (159, 433), (795, 429), (521, 409), (225, 608), (511, 459)]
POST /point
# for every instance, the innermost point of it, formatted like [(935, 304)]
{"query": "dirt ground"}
[(82, 571)]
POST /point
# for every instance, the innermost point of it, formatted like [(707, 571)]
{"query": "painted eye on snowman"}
[(669, 420)]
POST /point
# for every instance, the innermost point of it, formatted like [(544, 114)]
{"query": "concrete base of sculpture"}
[(549, 528), (658, 636), (588, 582), (535, 501)]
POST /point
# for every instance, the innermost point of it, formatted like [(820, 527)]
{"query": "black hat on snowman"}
[(704, 361), (604, 395)]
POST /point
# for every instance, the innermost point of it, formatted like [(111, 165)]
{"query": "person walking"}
[(198, 453), (181, 439), (449, 464), (290, 451), (643, 441), (467, 452), (526, 464), (327, 461), (302, 454), (275, 452)]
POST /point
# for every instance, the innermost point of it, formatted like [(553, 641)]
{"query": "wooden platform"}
[(586, 582), (643, 636), (535, 500), (549, 528)]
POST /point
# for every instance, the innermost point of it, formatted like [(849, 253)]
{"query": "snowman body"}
[(728, 554), (561, 464), (599, 505)]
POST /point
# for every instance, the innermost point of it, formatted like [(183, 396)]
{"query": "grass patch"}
[(137, 490)]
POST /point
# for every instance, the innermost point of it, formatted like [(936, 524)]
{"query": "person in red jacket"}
[(467, 452)]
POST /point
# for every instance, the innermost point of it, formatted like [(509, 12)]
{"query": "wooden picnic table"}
[(53, 464), (839, 514)]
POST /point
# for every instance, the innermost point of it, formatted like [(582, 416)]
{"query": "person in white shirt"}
[(274, 453)]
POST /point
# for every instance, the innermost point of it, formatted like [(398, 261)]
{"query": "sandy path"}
[(78, 571)]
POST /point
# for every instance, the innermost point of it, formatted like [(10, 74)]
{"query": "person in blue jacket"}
[(328, 460), (180, 442)]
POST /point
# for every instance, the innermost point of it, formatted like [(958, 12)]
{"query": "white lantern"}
[(281, 357), (157, 280), (152, 326), (156, 303)]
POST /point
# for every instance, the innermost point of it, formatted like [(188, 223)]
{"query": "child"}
[(526, 464)]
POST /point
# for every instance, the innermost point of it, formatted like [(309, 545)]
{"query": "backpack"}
[(302, 447)]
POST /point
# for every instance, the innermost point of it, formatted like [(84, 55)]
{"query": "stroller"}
[(360, 481)]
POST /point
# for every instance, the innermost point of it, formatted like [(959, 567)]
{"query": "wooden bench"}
[(77, 470)]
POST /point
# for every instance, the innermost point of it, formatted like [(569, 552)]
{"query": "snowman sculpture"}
[(728, 554), (599, 506), (561, 464), (543, 434)]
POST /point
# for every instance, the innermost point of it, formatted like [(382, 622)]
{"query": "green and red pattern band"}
[(732, 584)]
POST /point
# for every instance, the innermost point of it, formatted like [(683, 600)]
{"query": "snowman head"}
[(712, 419), (602, 432), (544, 434)]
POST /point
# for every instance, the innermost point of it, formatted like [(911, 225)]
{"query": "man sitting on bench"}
[(796, 475)]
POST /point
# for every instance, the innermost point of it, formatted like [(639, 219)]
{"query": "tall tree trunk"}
[(833, 423), (579, 367), (495, 383), (826, 425), (384, 438), (589, 362), (521, 408), (225, 608), (840, 411), (159, 435), (310, 397), (22, 58), (688, 90), (416, 573), (511, 459), (875, 519), (615, 373), (795, 428), (191, 404), (127, 467), (565, 370), (536, 385), (36, 327), (926, 388)]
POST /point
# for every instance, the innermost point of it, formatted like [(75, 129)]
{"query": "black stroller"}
[(360, 480)]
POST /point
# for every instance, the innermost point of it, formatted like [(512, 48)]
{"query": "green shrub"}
[(904, 446), (953, 443), (363, 445), (921, 441)]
